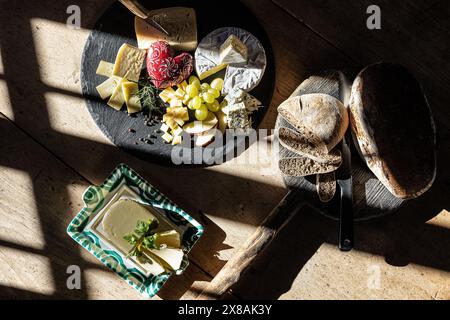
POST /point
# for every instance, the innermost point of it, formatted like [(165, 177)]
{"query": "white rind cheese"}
[(246, 76), (181, 23), (236, 96), (233, 51)]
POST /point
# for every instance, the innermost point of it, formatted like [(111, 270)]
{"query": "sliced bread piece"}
[(394, 128), (322, 114), (326, 186), (302, 167), (307, 144)]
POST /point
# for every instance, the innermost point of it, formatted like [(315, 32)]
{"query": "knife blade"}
[(345, 182), (139, 10)]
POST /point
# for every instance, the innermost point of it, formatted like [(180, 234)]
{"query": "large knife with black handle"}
[(344, 179)]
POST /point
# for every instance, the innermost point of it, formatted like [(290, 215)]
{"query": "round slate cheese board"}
[(132, 133)]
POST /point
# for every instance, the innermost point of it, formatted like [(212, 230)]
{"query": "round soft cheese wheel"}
[(394, 128)]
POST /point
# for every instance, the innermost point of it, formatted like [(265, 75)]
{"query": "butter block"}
[(121, 219), (129, 62)]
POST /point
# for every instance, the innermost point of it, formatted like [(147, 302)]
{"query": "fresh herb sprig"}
[(143, 237), (148, 95)]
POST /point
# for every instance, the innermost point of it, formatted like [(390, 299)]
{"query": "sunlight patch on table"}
[(441, 220), (25, 271), (52, 41), (5, 101), (15, 189), (69, 115)]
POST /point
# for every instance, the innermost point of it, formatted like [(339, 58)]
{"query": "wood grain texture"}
[(230, 274), (40, 91), (413, 33), (39, 196)]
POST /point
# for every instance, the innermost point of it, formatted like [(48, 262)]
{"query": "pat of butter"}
[(121, 219)]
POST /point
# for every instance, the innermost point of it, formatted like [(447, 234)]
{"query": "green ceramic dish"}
[(97, 198)]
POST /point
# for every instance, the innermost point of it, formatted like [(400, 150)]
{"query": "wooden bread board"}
[(371, 198)]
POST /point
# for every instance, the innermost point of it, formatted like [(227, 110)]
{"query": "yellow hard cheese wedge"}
[(167, 137), (129, 62), (106, 89), (177, 140), (133, 102), (169, 238), (105, 69), (180, 23), (117, 98), (211, 71), (167, 94)]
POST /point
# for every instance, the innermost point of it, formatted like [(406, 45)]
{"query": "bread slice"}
[(322, 114), (302, 167), (394, 128), (307, 144), (326, 186)]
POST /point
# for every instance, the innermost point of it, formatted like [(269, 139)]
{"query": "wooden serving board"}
[(115, 27), (371, 198)]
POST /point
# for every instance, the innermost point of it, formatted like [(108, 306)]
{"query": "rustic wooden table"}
[(51, 150)]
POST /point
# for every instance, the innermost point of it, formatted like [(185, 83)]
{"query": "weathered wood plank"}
[(39, 196), (413, 33), (39, 89)]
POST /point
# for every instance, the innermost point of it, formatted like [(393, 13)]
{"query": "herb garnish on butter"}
[(143, 237)]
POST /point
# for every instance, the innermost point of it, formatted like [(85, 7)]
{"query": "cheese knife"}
[(344, 179), (139, 10)]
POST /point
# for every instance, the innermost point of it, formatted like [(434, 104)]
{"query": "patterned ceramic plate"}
[(124, 181)]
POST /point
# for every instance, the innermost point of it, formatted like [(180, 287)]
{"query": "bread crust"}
[(322, 114), (392, 122)]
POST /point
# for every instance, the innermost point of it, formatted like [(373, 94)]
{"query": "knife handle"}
[(136, 8), (346, 218)]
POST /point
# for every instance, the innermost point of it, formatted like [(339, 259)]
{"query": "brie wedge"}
[(245, 76)]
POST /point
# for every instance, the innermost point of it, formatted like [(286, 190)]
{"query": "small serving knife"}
[(139, 10), (344, 179)]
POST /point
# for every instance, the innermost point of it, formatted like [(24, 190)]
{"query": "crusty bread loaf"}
[(394, 128), (302, 167), (307, 144), (326, 186), (323, 114)]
